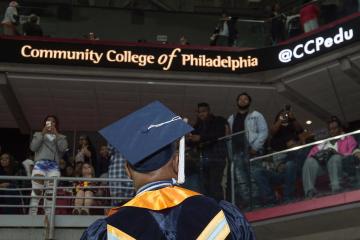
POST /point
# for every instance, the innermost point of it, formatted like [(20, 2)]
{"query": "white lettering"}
[(23, 51), (306, 48), (349, 34), (328, 42), (319, 41), (339, 38), (296, 55)]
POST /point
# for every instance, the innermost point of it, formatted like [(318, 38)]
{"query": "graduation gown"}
[(171, 212)]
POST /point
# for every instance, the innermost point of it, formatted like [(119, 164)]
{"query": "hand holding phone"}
[(48, 125)]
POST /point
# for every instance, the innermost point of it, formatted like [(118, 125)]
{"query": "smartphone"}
[(48, 124)]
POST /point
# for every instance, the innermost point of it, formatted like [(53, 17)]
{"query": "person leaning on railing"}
[(49, 147)]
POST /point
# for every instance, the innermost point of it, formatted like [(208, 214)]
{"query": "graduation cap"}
[(147, 137)]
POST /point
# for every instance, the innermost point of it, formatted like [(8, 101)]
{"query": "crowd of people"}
[(308, 17), (209, 161), (49, 158), (283, 25), (12, 26), (258, 181)]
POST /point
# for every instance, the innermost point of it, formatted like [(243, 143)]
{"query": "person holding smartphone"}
[(49, 147)]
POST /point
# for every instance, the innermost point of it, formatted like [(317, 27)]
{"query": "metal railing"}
[(17, 198)]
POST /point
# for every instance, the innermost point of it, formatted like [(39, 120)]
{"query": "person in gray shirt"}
[(49, 147)]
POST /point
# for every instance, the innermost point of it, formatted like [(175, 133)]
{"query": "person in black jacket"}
[(32, 28), (207, 130)]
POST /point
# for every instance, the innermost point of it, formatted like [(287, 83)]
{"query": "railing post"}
[(52, 212)]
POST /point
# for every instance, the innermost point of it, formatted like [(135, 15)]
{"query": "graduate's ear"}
[(175, 163), (128, 170)]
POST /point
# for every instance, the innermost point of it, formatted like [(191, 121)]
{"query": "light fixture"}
[(308, 122)]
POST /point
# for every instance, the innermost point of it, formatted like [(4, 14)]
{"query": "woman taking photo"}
[(49, 147)]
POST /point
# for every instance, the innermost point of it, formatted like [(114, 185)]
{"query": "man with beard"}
[(249, 142)]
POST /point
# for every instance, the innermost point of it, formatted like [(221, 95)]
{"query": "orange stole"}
[(158, 199)]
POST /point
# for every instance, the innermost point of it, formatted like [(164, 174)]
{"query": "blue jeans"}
[(245, 189), (267, 179)]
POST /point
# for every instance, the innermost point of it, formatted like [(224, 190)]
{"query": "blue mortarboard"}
[(146, 137)]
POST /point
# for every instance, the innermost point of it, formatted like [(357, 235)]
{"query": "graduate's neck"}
[(141, 179), (166, 172)]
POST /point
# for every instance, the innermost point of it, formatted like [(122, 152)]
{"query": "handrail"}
[(73, 179), (305, 145), (21, 200)]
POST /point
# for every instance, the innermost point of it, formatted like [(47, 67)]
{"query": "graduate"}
[(149, 139)]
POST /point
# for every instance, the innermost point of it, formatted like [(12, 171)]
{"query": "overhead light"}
[(308, 122), (150, 83)]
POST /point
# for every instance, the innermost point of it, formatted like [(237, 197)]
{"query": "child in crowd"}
[(83, 192)]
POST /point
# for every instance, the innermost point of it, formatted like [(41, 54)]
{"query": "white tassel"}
[(181, 170)]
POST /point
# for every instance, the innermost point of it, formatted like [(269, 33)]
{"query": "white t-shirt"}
[(225, 30)]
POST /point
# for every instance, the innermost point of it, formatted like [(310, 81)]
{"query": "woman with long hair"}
[(49, 147), (86, 151)]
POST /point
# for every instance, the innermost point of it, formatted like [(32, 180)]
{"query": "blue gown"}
[(172, 213)]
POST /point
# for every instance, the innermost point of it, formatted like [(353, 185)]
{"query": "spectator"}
[(207, 130), (32, 27), (277, 24), (328, 155), (282, 168), (92, 36), (49, 146), (225, 32), (11, 19), (249, 143), (285, 128), (84, 194), (86, 151), (104, 161), (183, 41), (329, 10), (69, 171), (293, 25), (7, 168), (279, 171), (309, 15), (123, 190)]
